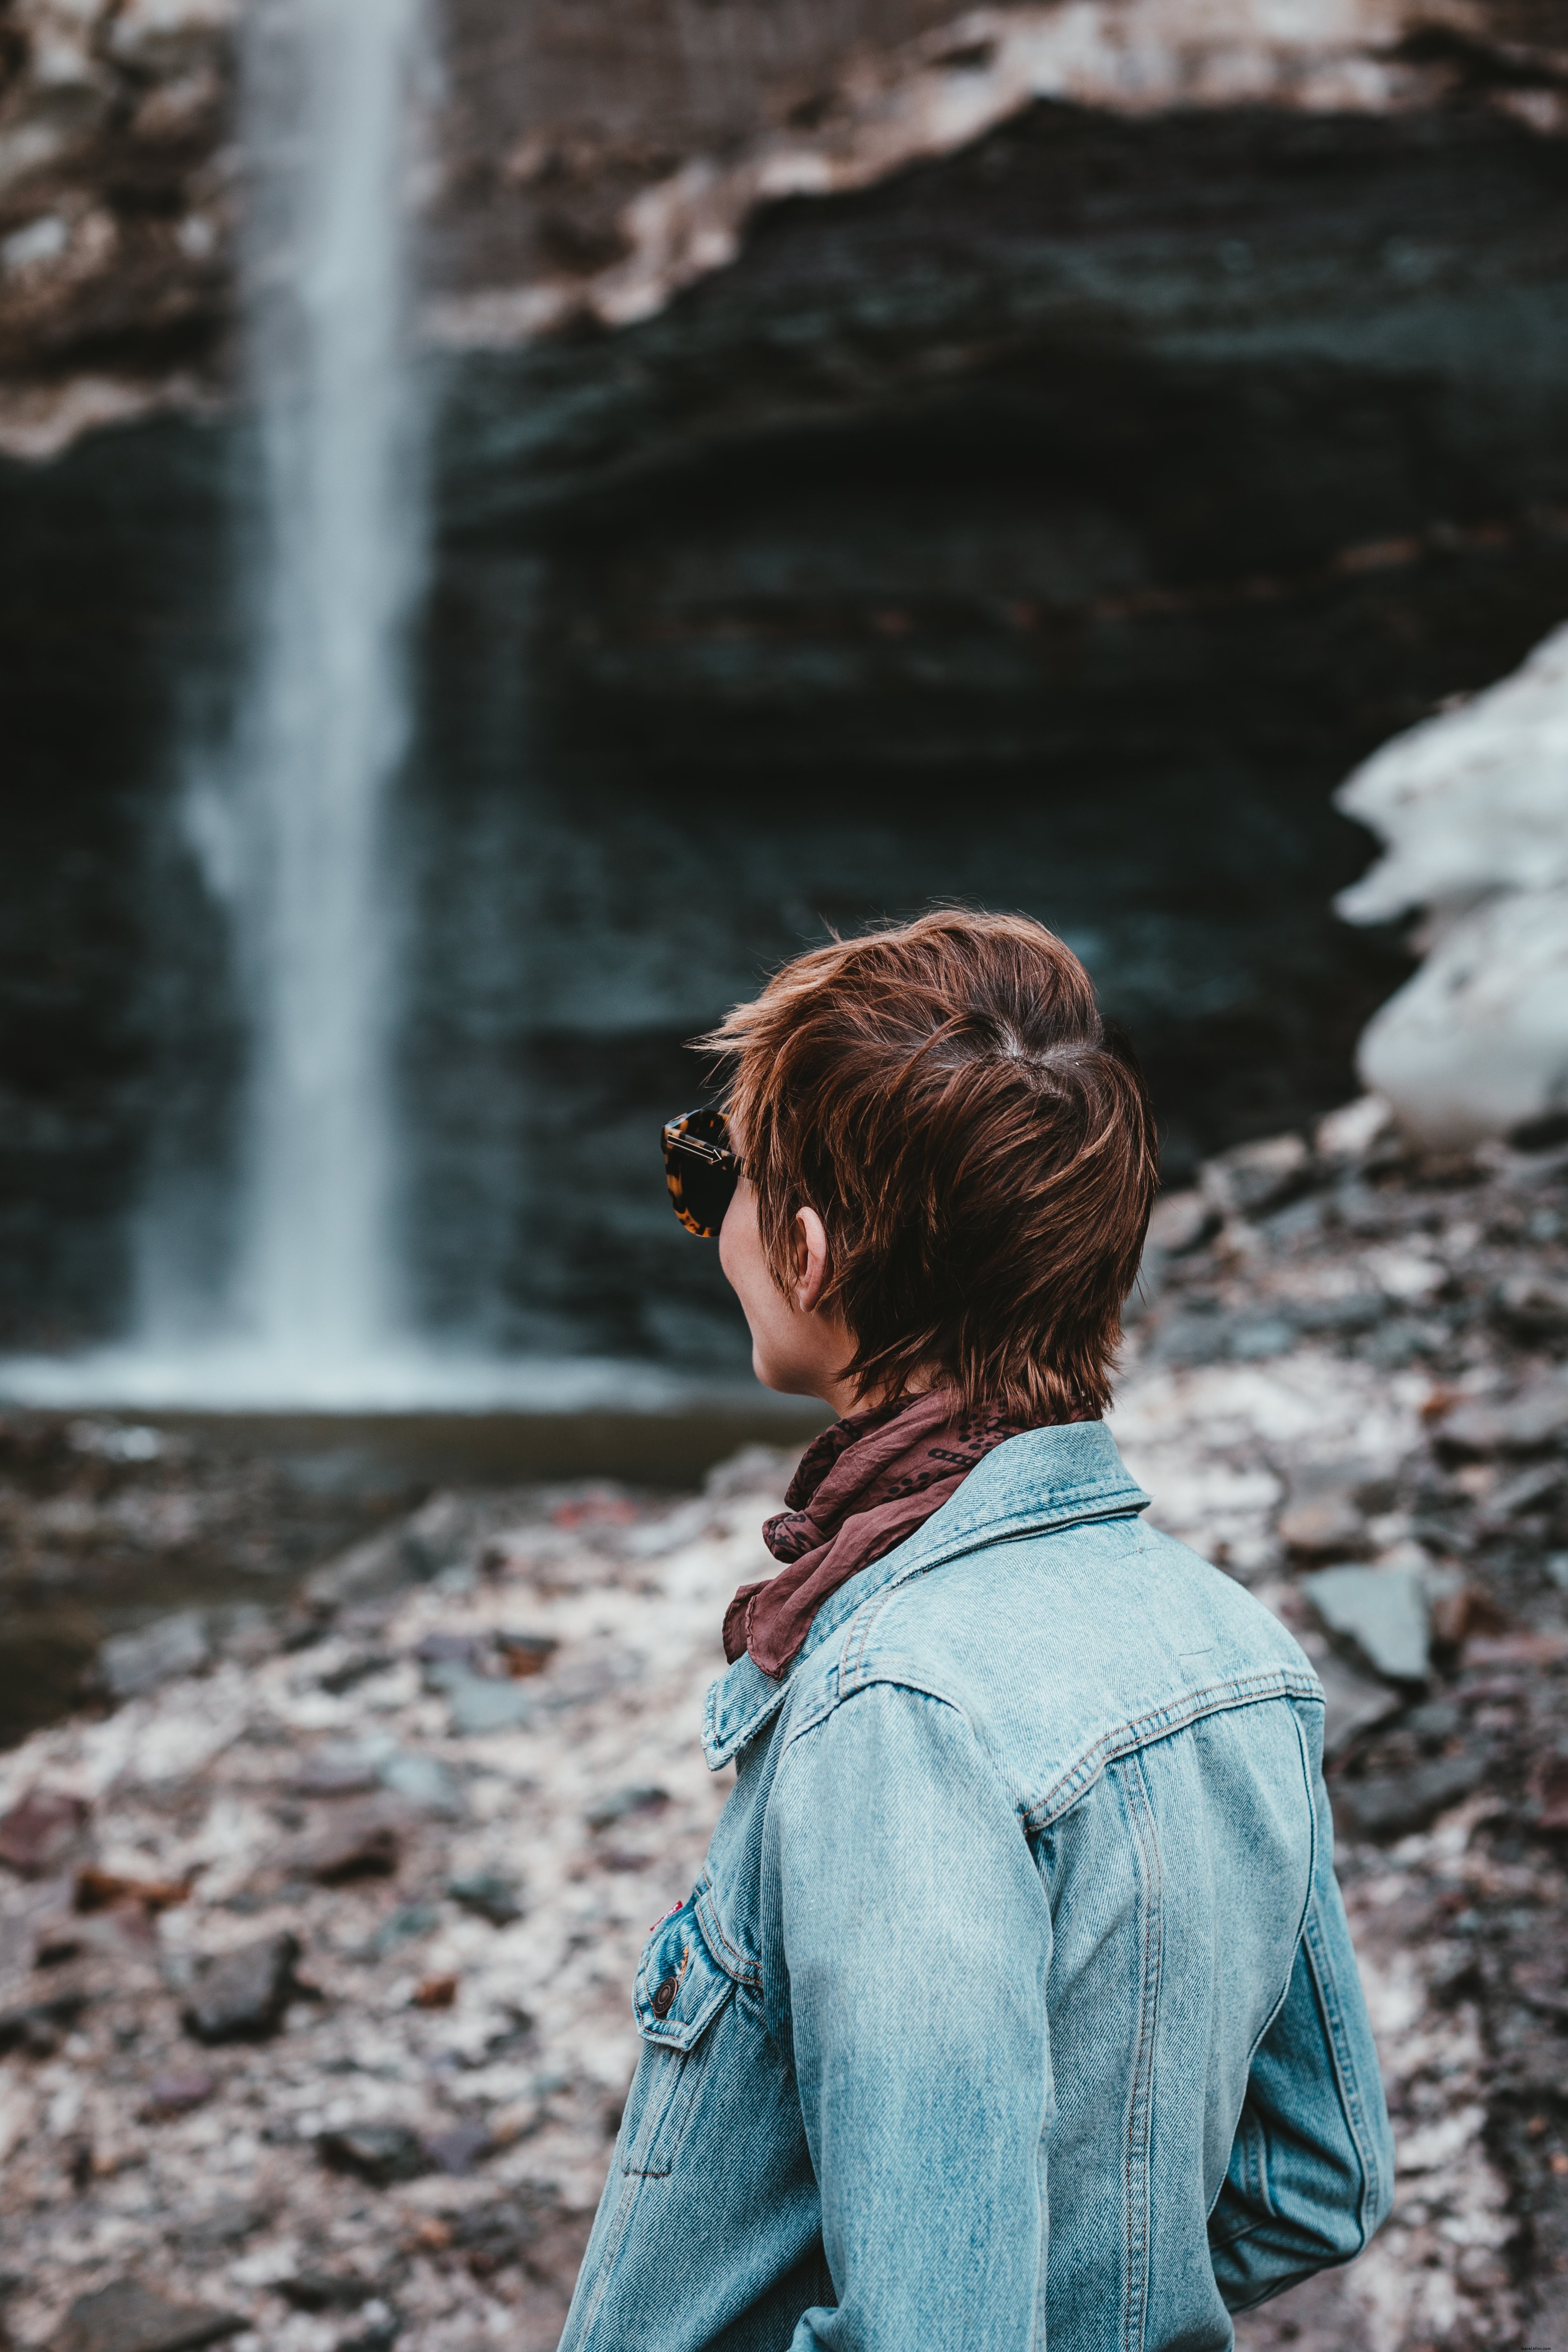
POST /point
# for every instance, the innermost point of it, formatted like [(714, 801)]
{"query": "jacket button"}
[(664, 1996)]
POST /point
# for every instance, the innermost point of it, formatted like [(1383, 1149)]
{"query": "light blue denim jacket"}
[(1016, 2006)]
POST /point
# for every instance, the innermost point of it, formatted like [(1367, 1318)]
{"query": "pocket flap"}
[(680, 1988)]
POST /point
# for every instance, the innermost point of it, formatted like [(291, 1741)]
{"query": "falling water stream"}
[(290, 824), (328, 87)]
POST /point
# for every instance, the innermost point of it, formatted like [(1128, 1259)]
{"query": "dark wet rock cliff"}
[(1052, 522)]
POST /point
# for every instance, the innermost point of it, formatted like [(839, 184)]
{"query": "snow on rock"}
[(1473, 806)]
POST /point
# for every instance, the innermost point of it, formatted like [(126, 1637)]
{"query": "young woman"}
[(1015, 2007)]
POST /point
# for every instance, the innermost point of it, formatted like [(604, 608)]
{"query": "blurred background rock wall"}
[(878, 454)]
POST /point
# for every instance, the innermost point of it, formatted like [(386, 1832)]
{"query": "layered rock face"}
[(115, 211), (589, 161)]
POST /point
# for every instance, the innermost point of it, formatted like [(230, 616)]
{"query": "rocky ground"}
[(316, 1938)]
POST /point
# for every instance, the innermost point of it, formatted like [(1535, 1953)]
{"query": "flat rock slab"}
[(361, 1843), (379, 2153), (483, 1703), (1398, 1803), (130, 2318), (1352, 1703), (1384, 1611), (1524, 1425), (492, 1894), (132, 1663), (242, 1995), (1324, 1526)]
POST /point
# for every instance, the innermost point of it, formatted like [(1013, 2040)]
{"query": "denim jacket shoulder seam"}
[(906, 1680), (1159, 1723), (1120, 1504)]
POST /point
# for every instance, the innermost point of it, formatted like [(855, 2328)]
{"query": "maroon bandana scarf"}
[(861, 1487)]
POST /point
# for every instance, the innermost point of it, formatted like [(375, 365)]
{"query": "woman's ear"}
[(811, 1266)]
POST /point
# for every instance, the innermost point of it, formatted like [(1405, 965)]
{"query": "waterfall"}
[(328, 88)]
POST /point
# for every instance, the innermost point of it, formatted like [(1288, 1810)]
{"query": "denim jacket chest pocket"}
[(680, 1992)]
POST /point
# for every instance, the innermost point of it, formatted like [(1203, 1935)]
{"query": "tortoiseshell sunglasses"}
[(701, 1169)]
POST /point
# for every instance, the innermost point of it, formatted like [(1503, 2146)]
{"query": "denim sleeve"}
[(1311, 2169), (913, 1938)]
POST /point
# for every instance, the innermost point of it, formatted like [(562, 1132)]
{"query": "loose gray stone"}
[(1352, 1703), (242, 1995), (1322, 1526), (360, 1843), (423, 1782), (1384, 1611), (610, 1809), (482, 1703), (379, 2153), (326, 2290), (460, 2148), (1532, 1306), (1256, 1177), (1407, 1800), (495, 1898), (131, 1663), (1526, 1425), (130, 2317), (40, 2026)]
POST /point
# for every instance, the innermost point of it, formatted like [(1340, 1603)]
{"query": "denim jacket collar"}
[(1044, 1479)]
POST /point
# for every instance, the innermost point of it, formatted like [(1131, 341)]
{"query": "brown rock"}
[(1516, 1649), (526, 1654), (436, 1993), (42, 1832), (130, 2317), (1329, 1526), (96, 1890), (1549, 1790)]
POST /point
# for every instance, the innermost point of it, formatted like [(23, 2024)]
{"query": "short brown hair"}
[(979, 1145)]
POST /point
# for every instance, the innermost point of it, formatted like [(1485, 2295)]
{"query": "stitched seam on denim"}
[(1139, 2123), (675, 2115), (745, 1972), (866, 1616), (883, 1680), (1246, 1690), (613, 2244), (646, 2141), (1256, 2159), (1236, 2237), (1345, 2072)]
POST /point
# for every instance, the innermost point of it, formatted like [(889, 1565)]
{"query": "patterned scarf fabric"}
[(861, 1487)]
